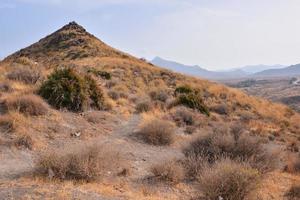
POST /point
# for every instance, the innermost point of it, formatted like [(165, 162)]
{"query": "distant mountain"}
[(196, 70), (251, 69), (287, 71)]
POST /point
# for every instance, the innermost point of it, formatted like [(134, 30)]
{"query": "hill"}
[(80, 119), (292, 70), (197, 71)]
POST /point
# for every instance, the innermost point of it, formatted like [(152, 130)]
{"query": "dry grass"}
[(227, 180), (81, 162), (184, 117), (25, 141), (169, 171), (293, 164), (242, 148), (143, 106), (25, 74), (7, 124), (294, 192), (157, 132), (5, 87), (30, 105)]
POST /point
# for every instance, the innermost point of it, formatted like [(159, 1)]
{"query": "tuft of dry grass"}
[(157, 132), (293, 164), (7, 124), (243, 147), (228, 180), (169, 171), (25, 141), (5, 87), (294, 192), (82, 162), (143, 106), (25, 74), (30, 105), (184, 117)]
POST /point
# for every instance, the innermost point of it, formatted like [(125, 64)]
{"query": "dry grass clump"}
[(25, 141), (184, 117), (5, 87), (25, 74), (65, 88), (81, 162), (221, 109), (157, 132), (294, 192), (293, 164), (143, 106), (7, 124), (214, 146), (228, 180), (159, 95), (30, 105), (170, 172)]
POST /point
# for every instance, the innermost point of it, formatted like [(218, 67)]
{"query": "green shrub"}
[(67, 89), (185, 89), (193, 100)]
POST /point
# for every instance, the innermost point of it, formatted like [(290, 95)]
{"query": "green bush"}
[(185, 89), (67, 89), (193, 100)]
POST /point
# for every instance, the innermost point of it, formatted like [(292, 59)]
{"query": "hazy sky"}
[(215, 34)]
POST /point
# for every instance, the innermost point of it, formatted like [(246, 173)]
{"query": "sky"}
[(215, 34)]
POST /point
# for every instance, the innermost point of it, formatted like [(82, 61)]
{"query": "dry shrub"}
[(294, 192), (82, 162), (25, 141), (293, 164), (7, 124), (242, 148), (5, 87), (170, 171), (143, 106), (221, 109), (159, 95), (30, 105), (183, 116), (25, 74), (157, 132), (228, 180)]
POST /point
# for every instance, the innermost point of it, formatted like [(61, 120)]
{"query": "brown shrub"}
[(243, 148), (143, 106), (183, 116), (294, 192), (25, 74), (221, 109), (293, 164), (157, 132), (24, 141), (5, 87), (159, 95), (7, 124), (81, 162), (227, 180), (170, 171), (27, 104)]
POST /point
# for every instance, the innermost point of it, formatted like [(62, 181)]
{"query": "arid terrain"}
[(82, 120), (284, 90)]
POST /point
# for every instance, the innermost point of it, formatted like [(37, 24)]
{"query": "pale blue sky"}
[(215, 34)]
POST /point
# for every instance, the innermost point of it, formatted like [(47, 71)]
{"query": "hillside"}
[(82, 120), (197, 71), (292, 70)]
